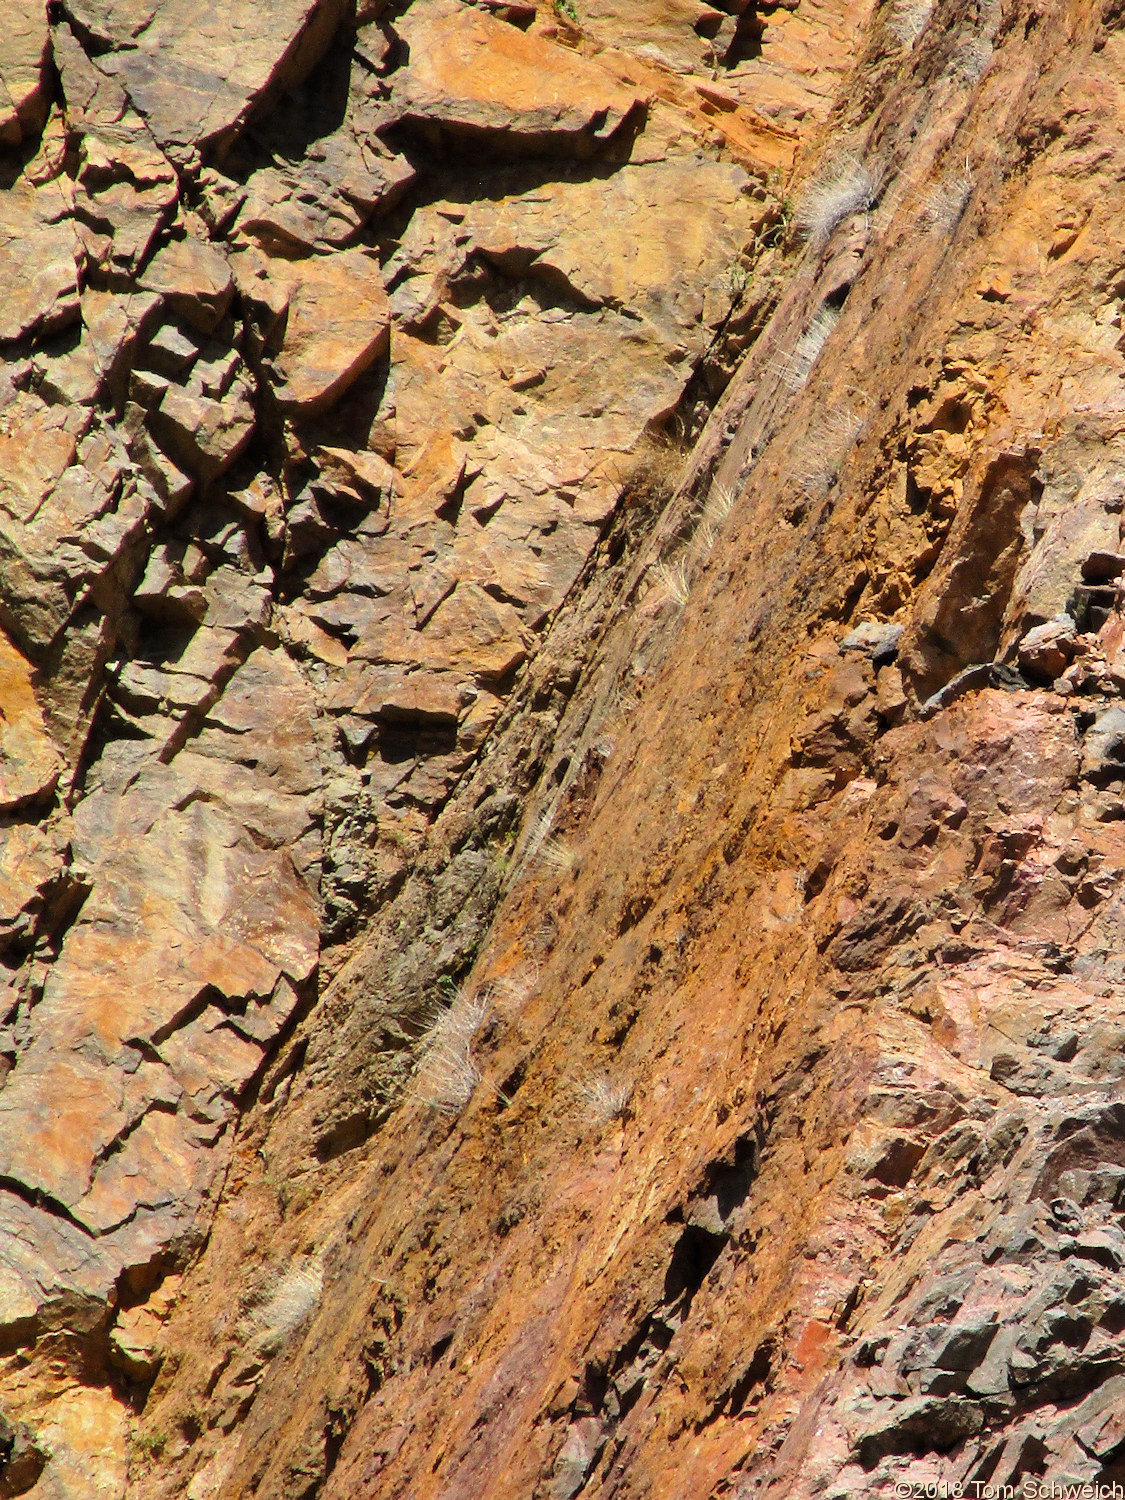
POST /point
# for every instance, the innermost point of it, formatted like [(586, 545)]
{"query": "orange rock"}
[(338, 324), (29, 762), (478, 77)]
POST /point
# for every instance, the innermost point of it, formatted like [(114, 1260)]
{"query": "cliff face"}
[(561, 752)]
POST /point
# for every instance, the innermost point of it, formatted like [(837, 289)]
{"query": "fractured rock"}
[(338, 324), (24, 52), (29, 762), (127, 189), (1047, 650), (197, 75), (203, 435), (1103, 750), (38, 260), (659, 239), (195, 280), (479, 78)]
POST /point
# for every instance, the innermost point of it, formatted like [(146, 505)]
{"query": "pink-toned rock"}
[(196, 74), (24, 50), (1047, 650)]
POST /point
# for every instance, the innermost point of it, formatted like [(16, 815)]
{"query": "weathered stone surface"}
[(1047, 650), (378, 655), (322, 203), (23, 69), (196, 76), (38, 254), (127, 189), (666, 234), (29, 764), (195, 280), (482, 79), (204, 436), (337, 324)]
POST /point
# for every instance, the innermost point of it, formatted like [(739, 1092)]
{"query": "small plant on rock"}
[(673, 577), (557, 855), (717, 507), (293, 1297), (511, 990), (601, 1100), (845, 188), (445, 1074), (151, 1443), (944, 203), (822, 452), (907, 20), (795, 370)]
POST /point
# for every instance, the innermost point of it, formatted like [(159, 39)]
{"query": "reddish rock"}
[(195, 280), (24, 53), (197, 77)]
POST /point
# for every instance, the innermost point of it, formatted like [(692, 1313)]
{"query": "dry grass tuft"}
[(673, 578), (511, 990), (945, 202), (601, 1100), (844, 189), (820, 455), (445, 1074), (717, 507), (795, 370), (294, 1297), (649, 480), (557, 855)]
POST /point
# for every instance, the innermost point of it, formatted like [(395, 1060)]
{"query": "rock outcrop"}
[(561, 749)]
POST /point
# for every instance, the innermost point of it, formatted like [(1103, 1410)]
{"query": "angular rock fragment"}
[(29, 762), (1047, 650), (1102, 567), (24, 52), (197, 75), (1103, 750), (195, 280), (169, 352), (323, 205), (338, 324), (29, 863), (127, 189), (659, 239), (877, 639), (480, 79), (204, 436), (1074, 527), (38, 260), (164, 594)]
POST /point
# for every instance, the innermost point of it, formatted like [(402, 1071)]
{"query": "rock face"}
[(561, 749)]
